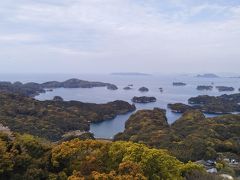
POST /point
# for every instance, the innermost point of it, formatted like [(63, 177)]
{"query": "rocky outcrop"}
[(204, 87), (143, 99), (179, 84), (143, 89)]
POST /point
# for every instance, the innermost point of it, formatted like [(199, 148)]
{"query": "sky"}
[(104, 36)]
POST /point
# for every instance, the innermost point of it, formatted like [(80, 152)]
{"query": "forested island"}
[(52, 119), (192, 137), (224, 104), (33, 89)]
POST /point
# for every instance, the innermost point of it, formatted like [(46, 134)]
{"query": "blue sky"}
[(102, 36)]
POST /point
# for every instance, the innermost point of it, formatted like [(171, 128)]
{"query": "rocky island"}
[(33, 89), (179, 84), (143, 89), (143, 99), (204, 87)]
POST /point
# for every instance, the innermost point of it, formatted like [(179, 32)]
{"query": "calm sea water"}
[(107, 129)]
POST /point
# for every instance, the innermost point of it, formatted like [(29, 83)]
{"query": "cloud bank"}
[(95, 36)]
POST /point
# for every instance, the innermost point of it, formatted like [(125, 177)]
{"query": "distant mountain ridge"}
[(207, 75)]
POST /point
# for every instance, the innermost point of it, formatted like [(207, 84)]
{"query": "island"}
[(143, 89), (204, 87), (224, 104), (208, 75), (33, 89), (143, 99), (179, 84), (224, 88), (127, 88), (112, 87), (52, 119), (191, 138)]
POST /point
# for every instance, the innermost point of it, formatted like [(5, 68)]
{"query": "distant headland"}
[(208, 75)]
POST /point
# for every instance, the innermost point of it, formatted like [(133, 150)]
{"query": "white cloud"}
[(159, 33)]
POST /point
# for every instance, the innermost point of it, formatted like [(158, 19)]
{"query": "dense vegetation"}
[(32, 89), (210, 104), (143, 99), (192, 137), (30, 158), (52, 119)]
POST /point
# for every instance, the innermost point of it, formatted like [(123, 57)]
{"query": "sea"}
[(107, 129)]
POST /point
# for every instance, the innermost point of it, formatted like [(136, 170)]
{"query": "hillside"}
[(52, 119), (28, 157), (192, 137)]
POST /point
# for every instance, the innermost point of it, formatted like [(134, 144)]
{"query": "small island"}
[(203, 87), (208, 75), (179, 84), (143, 99), (224, 88), (112, 87), (127, 88), (143, 89)]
